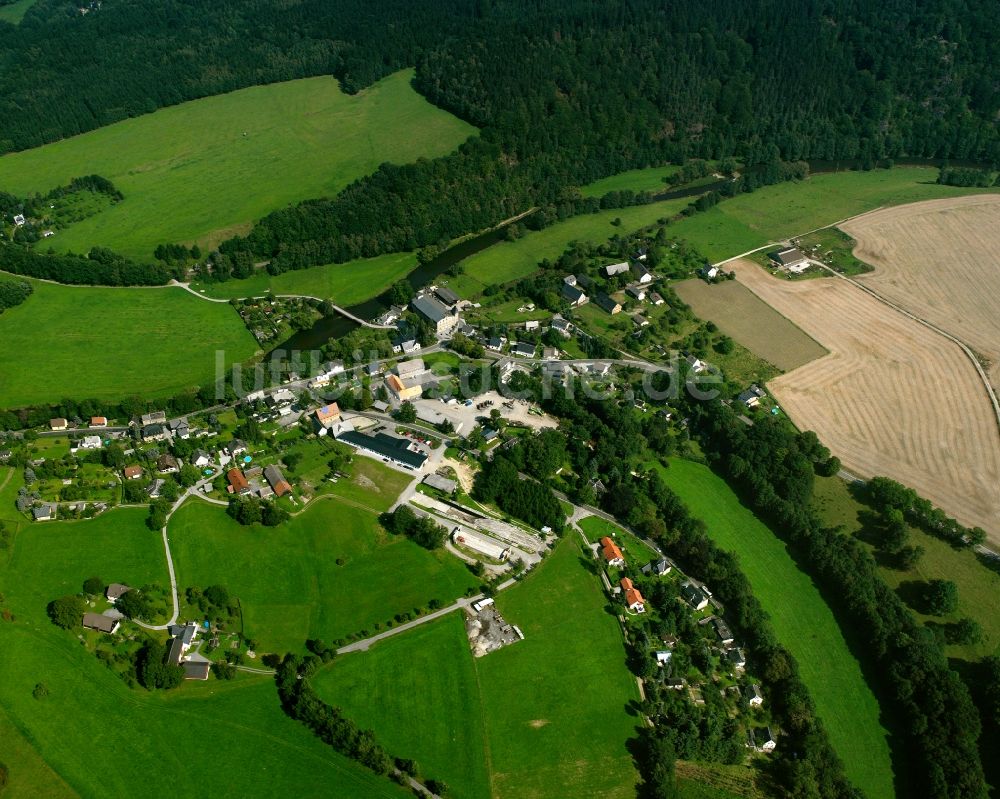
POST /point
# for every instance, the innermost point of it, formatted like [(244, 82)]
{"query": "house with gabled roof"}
[(633, 597), (611, 553)]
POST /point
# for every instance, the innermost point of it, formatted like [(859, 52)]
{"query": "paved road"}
[(363, 645)]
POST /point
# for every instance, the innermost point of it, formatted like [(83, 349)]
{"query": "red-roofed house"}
[(328, 415), (633, 598), (611, 553), (98, 421), (237, 482), (133, 472)]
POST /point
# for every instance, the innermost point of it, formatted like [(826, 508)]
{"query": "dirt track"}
[(892, 397), (940, 260)]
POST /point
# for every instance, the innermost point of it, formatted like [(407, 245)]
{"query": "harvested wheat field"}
[(743, 316), (893, 397), (940, 260)]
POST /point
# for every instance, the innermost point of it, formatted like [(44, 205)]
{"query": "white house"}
[(756, 697), (90, 442), (615, 269), (663, 657), (19, 220)]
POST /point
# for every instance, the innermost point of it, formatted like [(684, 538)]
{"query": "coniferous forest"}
[(565, 91)]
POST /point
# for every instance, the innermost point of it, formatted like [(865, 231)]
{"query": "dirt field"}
[(940, 260), (891, 398), (743, 316)]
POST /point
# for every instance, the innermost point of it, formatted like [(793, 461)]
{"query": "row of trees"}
[(100, 267)]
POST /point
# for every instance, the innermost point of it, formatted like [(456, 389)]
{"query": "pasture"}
[(557, 704), (802, 621), (938, 259), (51, 744), (204, 170), (651, 179), (893, 397), (744, 317), (290, 582), (108, 343), (14, 12), (344, 284), (777, 212), (418, 692)]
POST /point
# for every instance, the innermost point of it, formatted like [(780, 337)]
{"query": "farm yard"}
[(892, 397), (204, 170), (938, 259), (108, 343), (742, 315), (802, 621)]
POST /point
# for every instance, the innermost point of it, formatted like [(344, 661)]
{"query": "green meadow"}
[(180, 738), (288, 578), (546, 717), (419, 693), (773, 213), (802, 621), (14, 12), (108, 343), (205, 169), (651, 179), (345, 284)]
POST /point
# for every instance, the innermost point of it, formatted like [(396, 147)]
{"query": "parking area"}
[(464, 416)]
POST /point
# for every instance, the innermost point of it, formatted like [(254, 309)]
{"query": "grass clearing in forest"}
[(109, 343), (802, 621), (205, 169), (638, 180), (14, 12)]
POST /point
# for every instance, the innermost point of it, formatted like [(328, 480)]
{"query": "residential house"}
[(674, 684), (532, 324), (640, 321), (19, 220), (756, 697), (133, 472), (156, 417), (573, 295), (200, 458), (636, 290), (380, 406), (496, 343), (277, 481), (44, 512), (409, 346), (562, 326), (606, 303), (723, 632), (443, 318), (236, 447), (115, 591), (570, 280), (615, 269), (710, 272), (327, 416), (524, 349), (641, 273), (504, 367), (752, 396), (655, 298), (736, 658), (154, 432), (98, 421), (658, 567), (663, 657), (237, 482), (791, 259), (696, 364), (763, 739), (550, 353), (90, 442), (58, 424), (611, 553), (155, 488), (633, 598), (389, 448), (694, 596), (101, 623), (167, 464), (403, 390)]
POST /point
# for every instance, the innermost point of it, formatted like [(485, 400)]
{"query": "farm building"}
[(611, 553), (441, 483), (481, 543), (277, 481), (448, 297), (615, 269), (99, 622), (237, 482), (791, 259), (196, 669), (411, 368)]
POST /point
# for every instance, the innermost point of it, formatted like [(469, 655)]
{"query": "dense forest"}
[(564, 91)]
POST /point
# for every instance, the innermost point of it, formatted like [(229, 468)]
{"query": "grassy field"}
[(978, 587), (512, 260), (803, 623), (106, 343), (52, 744), (418, 692), (288, 580), (787, 209), (742, 315), (204, 169), (556, 704), (14, 12), (345, 284), (651, 179)]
